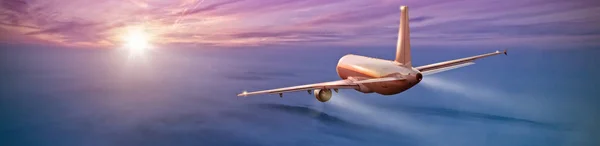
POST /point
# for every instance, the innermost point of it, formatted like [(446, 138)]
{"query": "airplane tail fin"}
[(403, 46)]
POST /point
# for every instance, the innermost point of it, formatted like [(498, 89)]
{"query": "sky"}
[(226, 23), (95, 95)]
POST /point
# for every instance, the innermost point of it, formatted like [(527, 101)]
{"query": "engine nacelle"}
[(323, 95)]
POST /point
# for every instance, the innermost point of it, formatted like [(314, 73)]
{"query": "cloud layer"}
[(299, 22)]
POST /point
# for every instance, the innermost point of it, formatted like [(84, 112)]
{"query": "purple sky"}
[(102, 23)]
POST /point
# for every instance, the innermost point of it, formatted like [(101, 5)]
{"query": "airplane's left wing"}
[(339, 84)]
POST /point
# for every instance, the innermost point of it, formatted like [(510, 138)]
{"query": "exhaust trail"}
[(379, 117), (472, 92), (521, 105)]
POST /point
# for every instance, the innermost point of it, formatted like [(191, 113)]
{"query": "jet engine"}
[(323, 95)]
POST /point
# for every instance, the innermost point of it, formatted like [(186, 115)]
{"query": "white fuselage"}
[(357, 67)]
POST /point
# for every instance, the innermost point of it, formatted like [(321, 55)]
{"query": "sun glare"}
[(137, 42)]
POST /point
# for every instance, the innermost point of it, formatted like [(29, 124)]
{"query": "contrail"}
[(514, 103), (477, 93), (382, 118)]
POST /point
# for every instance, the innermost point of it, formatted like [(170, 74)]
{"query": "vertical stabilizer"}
[(403, 46)]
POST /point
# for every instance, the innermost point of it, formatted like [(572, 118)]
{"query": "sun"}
[(137, 42)]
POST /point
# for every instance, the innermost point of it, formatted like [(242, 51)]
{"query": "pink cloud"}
[(293, 22)]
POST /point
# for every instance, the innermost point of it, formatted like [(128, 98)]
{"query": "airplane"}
[(385, 77)]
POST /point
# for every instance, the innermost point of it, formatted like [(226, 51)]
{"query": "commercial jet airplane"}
[(386, 77)]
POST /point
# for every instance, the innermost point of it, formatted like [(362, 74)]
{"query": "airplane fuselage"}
[(356, 67)]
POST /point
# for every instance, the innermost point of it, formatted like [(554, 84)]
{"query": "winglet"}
[(505, 50), (245, 93)]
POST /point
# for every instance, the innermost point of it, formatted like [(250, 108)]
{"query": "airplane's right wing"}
[(453, 64)]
